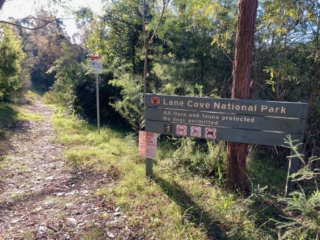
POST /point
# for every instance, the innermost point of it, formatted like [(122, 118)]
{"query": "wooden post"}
[(149, 166), (98, 103)]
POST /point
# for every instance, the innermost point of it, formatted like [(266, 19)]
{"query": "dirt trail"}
[(41, 197)]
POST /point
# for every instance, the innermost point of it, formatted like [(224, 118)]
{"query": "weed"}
[(301, 219), (28, 235), (93, 233)]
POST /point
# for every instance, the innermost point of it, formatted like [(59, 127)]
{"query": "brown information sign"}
[(235, 120), (226, 105)]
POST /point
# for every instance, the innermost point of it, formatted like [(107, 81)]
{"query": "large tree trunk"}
[(1, 3), (237, 152)]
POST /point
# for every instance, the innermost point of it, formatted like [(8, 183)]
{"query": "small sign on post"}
[(148, 149), (96, 68), (96, 64), (148, 144)]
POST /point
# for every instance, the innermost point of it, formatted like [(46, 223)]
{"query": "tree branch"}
[(17, 25), (165, 3), (270, 95)]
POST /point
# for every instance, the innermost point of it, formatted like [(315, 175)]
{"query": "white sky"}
[(23, 8)]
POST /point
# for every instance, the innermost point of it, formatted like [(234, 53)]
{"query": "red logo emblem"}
[(195, 131), (155, 100), (210, 133), (181, 130)]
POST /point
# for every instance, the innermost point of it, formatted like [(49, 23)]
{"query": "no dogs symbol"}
[(210, 133)]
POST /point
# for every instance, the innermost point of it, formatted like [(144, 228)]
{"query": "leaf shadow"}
[(8, 126), (193, 212)]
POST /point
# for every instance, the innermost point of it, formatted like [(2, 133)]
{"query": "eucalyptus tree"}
[(237, 152), (194, 48), (44, 47)]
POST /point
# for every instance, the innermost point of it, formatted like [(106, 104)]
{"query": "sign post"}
[(234, 120), (98, 102), (148, 149), (96, 68)]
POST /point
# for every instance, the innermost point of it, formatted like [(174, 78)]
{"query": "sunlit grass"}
[(174, 204), (11, 113), (26, 116)]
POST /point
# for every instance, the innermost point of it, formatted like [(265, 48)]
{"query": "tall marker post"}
[(96, 68)]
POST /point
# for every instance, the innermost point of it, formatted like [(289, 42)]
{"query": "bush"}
[(302, 218)]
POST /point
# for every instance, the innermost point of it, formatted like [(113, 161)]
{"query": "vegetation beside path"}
[(60, 179), (176, 203)]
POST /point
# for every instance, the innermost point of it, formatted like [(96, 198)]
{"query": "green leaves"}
[(302, 219), (10, 62), (305, 222), (131, 107)]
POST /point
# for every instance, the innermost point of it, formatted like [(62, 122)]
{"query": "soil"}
[(42, 197)]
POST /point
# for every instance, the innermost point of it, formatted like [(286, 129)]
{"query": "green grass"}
[(8, 113), (178, 202), (26, 116), (10, 116), (175, 204)]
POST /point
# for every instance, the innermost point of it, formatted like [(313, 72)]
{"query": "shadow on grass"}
[(193, 212), (8, 114), (8, 119), (10, 123), (268, 171)]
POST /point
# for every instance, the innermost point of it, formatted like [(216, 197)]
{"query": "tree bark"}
[(237, 152), (1, 3)]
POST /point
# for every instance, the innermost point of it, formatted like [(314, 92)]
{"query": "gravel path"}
[(42, 197)]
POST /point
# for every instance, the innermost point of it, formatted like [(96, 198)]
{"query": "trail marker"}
[(96, 64), (96, 68)]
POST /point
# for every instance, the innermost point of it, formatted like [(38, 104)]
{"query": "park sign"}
[(233, 120)]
